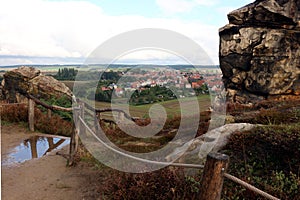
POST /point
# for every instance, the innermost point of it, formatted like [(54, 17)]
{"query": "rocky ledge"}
[(20, 82), (260, 51)]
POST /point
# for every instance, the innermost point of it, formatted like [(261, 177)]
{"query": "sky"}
[(68, 31)]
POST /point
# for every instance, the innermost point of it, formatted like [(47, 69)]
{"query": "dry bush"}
[(54, 125), (167, 183), (267, 112), (19, 113), (14, 113)]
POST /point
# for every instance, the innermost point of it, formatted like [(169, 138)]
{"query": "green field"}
[(171, 107)]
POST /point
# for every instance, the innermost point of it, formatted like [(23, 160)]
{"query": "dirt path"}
[(43, 178)]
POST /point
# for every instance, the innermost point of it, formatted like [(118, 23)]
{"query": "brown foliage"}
[(167, 183), (14, 113), (54, 125), (19, 113)]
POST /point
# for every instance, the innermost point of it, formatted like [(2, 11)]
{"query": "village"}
[(187, 82)]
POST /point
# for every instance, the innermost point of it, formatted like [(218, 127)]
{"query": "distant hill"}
[(177, 67)]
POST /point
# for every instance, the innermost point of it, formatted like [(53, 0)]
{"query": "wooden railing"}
[(214, 170)]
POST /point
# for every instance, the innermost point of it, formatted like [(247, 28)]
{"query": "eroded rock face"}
[(19, 82), (259, 50)]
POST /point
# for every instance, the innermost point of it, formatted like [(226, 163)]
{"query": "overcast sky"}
[(67, 31)]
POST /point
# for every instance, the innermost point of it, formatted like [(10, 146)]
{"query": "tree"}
[(66, 74)]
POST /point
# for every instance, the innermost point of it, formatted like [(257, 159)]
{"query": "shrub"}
[(19, 113), (55, 125), (167, 183), (267, 157), (63, 101), (14, 113)]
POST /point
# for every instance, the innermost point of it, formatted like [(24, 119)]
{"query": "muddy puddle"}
[(33, 147)]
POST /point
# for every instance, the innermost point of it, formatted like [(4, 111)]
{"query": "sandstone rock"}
[(276, 13), (28, 80), (212, 141), (47, 86), (259, 50)]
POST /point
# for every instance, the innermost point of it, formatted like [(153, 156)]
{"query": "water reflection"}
[(34, 147)]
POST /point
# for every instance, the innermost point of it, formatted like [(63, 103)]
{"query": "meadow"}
[(172, 107)]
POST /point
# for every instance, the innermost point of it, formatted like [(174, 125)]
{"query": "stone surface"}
[(212, 141), (259, 51), (19, 82)]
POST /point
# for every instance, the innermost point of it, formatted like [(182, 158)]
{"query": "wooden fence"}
[(214, 170)]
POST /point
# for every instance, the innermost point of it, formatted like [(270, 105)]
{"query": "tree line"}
[(66, 74)]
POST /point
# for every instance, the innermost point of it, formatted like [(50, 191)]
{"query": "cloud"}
[(175, 6), (170, 7), (207, 2), (38, 28), (34, 31)]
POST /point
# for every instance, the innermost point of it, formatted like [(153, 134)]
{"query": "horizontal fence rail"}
[(51, 107), (249, 187), (195, 166), (137, 158), (78, 119), (89, 107)]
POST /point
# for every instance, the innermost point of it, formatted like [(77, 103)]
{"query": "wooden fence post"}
[(96, 122), (31, 114), (74, 136), (121, 116), (212, 178), (82, 129), (49, 113)]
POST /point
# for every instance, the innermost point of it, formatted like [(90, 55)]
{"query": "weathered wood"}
[(49, 113), (74, 136), (82, 130), (33, 148), (76, 142), (53, 136), (212, 178), (72, 147), (53, 145), (50, 142), (51, 107), (96, 123), (106, 110), (31, 114)]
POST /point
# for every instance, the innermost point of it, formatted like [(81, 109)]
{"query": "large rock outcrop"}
[(20, 82), (260, 51)]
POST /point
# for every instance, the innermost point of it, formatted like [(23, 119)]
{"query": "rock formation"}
[(19, 82), (260, 51), (197, 149)]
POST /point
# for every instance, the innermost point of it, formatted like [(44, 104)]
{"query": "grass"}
[(140, 145), (6, 123), (267, 157), (172, 107)]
